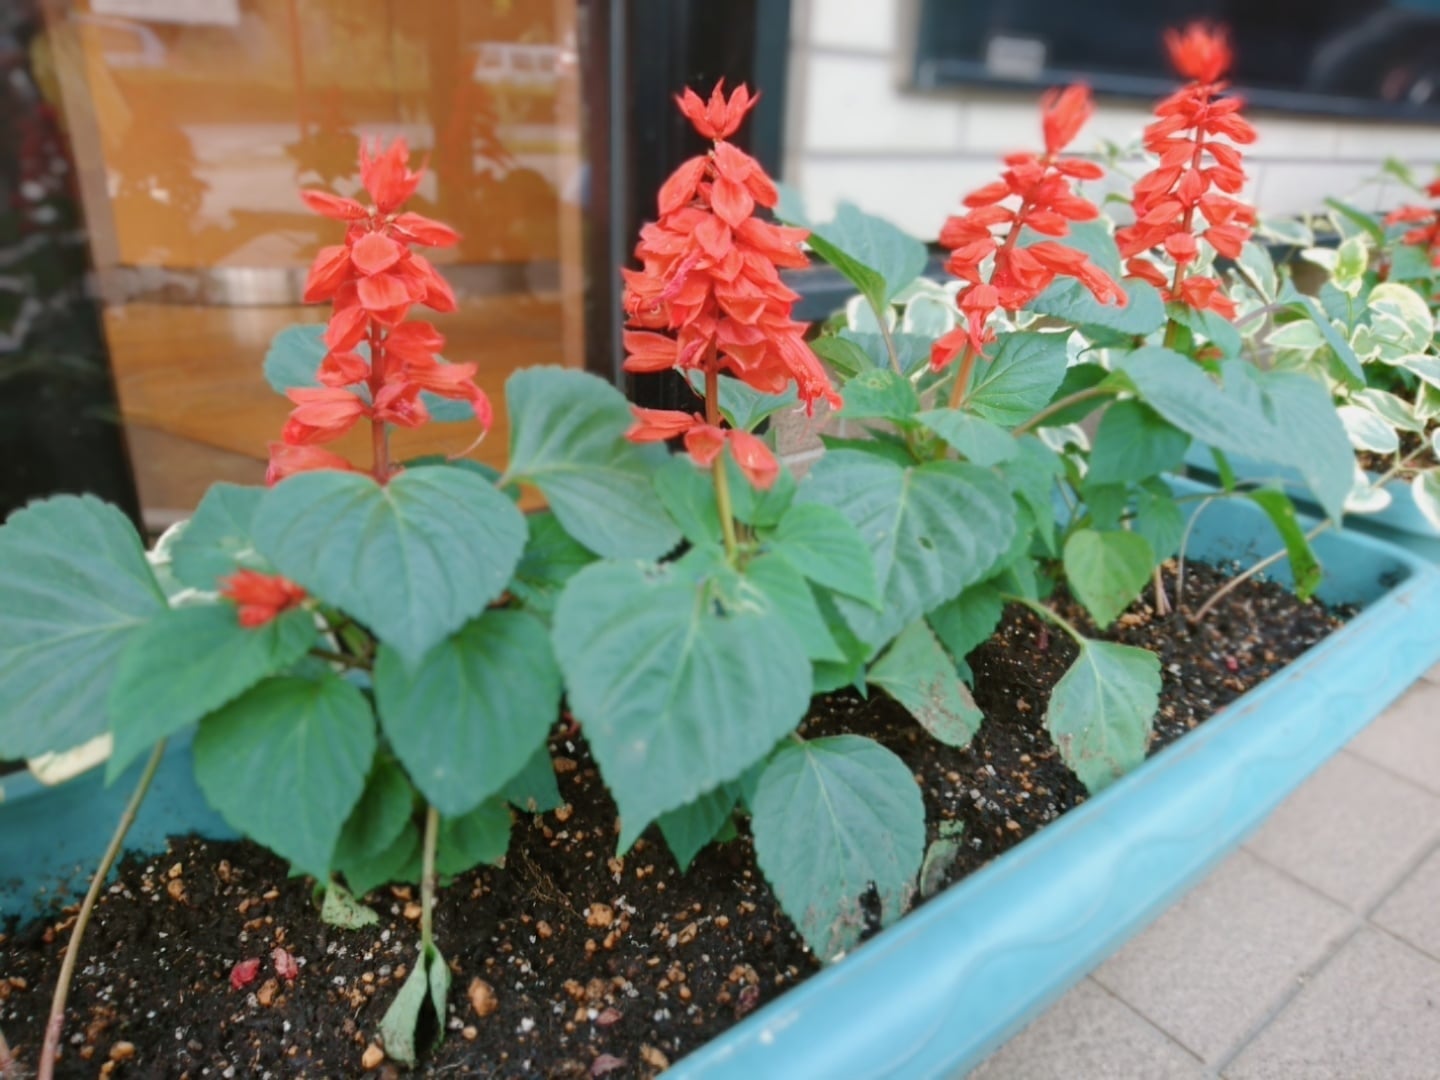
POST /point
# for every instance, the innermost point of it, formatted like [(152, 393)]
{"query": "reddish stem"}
[(379, 430)]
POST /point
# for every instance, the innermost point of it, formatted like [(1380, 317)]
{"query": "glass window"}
[(195, 123)]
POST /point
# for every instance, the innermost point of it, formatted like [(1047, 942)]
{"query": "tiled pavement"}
[(1312, 953)]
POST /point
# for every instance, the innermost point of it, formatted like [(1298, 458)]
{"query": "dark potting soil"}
[(1410, 443), (569, 962)]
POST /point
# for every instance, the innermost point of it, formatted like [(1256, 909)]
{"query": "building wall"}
[(852, 133)]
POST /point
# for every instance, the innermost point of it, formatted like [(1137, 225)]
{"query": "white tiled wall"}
[(852, 133)]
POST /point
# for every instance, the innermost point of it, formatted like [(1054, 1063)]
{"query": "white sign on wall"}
[(190, 12)]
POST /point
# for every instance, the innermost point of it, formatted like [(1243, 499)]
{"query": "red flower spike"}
[(333, 206), (1046, 205), (755, 459), (373, 280), (717, 118), (385, 172), (703, 442), (1426, 233), (708, 296), (1200, 52), (260, 597), (287, 460), (1189, 137), (658, 425), (322, 413)]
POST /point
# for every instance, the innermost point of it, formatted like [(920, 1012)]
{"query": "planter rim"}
[(1401, 516), (934, 994)]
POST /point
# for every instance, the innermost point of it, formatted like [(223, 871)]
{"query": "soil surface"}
[(569, 962), (1410, 442)]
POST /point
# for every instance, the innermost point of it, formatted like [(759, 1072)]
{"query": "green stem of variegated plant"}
[(717, 467), (427, 881), (55, 1026)]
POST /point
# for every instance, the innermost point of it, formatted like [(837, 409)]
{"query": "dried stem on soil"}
[(56, 1024)]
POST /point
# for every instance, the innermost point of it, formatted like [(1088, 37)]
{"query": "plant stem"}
[(889, 340), (1271, 560), (7, 1061), (427, 881), (1239, 579), (340, 658), (56, 1024), (1162, 602), (717, 467), (1060, 406), (962, 378), (379, 430), (1045, 613)]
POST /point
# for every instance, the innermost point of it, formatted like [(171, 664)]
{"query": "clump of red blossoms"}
[(372, 280), (1047, 205), (1198, 172), (260, 597), (709, 296), (1426, 222)]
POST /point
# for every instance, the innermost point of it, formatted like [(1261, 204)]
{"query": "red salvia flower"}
[(709, 297), (1046, 204), (1199, 173), (1425, 224), (260, 597), (372, 282)]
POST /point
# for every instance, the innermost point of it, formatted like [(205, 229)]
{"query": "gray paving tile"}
[(1088, 1035), (1433, 675), (1405, 738), (1372, 1011), (1410, 911), (1212, 966), (1350, 830)]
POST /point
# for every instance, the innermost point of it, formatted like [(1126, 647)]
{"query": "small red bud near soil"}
[(244, 973), (285, 965)]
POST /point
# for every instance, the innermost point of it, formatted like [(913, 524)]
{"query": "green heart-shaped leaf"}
[(286, 763), (471, 712), (834, 818), (74, 589), (413, 559), (188, 662), (677, 692)]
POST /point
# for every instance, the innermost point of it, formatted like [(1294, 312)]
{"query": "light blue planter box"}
[(51, 838), (935, 994), (1400, 520)]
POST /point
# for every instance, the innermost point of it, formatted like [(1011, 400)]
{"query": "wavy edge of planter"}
[(1402, 516), (52, 836), (935, 994)]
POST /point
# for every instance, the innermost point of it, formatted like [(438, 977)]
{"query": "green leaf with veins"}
[(1107, 570), (286, 763), (567, 438), (413, 559), (75, 589), (1102, 710), (918, 673), (864, 830), (679, 688), (189, 661), (931, 529)]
